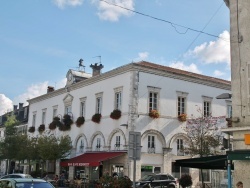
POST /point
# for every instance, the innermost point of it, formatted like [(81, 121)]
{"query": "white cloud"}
[(141, 56), (180, 65), (61, 83), (111, 12), (34, 90), (215, 51), (63, 3), (218, 73), (5, 104)]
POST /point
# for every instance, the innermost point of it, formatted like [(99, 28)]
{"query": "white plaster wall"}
[(166, 127)]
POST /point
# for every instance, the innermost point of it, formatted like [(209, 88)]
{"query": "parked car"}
[(25, 183), (16, 176), (157, 180)]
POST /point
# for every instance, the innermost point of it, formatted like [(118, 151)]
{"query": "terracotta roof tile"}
[(182, 72)]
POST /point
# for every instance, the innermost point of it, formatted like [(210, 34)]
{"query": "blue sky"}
[(41, 39)]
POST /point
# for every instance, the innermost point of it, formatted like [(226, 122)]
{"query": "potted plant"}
[(154, 114), (55, 123), (41, 128), (80, 121), (67, 122), (96, 118), (116, 114), (185, 180), (182, 117), (31, 129)]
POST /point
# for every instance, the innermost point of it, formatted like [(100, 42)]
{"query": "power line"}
[(174, 25)]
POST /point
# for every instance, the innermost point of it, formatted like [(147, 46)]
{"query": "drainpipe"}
[(229, 183)]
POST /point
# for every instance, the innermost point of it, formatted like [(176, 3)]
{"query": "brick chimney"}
[(50, 89), (96, 69)]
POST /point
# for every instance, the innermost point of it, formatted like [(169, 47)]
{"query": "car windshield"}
[(33, 185), (146, 178)]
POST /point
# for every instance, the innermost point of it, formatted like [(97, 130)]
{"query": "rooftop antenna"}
[(100, 59), (81, 66)]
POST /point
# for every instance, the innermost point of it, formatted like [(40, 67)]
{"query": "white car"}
[(16, 176)]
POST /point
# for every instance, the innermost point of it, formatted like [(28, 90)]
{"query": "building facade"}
[(135, 90)]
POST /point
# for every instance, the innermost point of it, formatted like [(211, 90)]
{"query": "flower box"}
[(182, 117), (154, 114), (41, 128), (116, 114), (31, 129), (80, 121), (96, 118), (55, 123), (67, 122)]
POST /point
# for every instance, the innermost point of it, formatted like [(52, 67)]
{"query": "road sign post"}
[(134, 151)]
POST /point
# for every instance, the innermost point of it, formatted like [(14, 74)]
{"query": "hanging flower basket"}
[(154, 114), (55, 123), (96, 118), (182, 117), (116, 114), (41, 128), (67, 122), (80, 121), (31, 129)]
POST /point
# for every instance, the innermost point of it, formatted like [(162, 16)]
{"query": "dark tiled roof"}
[(182, 72)]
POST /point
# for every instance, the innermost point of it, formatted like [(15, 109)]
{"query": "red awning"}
[(91, 159)]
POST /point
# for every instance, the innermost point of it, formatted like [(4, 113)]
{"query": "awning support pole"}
[(229, 184)]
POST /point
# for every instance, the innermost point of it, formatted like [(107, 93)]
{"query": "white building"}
[(135, 89)]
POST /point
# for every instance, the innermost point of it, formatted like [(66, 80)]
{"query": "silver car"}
[(16, 176)]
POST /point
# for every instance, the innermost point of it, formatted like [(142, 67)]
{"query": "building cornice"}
[(145, 67)]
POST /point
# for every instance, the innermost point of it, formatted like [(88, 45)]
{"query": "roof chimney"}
[(96, 69), (20, 106), (50, 89), (14, 107)]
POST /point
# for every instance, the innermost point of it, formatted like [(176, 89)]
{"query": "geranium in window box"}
[(31, 129), (116, 114), (154, 114), (80, 121), (55, 123), (96, 118), (67, 122), (182, 117), (41, 128)]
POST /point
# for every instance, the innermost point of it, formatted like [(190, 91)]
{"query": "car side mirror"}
[(152, 179)]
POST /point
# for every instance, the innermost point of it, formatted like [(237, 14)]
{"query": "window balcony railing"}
[(98, 146), (151, 150), (117, 146)]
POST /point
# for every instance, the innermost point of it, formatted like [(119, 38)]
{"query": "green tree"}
[(204, 137)]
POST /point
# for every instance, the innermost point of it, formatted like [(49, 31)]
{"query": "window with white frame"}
[(229, 109), (44, 116), (55, 111), (82, 106), (98, 144), (151, 144), (98, 108), (34, 120), (118, 100), (153, 98), (207, 101), (81, 146), (181, 102), (68, 109), (180, 147), (117, 142)]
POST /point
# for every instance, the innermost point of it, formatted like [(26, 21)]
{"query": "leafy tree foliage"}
[(185, 180), (204, 136)]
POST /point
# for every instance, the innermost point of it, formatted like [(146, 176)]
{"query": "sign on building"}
[(134, 145)]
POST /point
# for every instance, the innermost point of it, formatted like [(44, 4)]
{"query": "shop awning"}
[(91, 159), (211, 162)]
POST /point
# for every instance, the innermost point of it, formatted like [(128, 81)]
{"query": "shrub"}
[(31, 129), (41, 128), (185, 180)]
